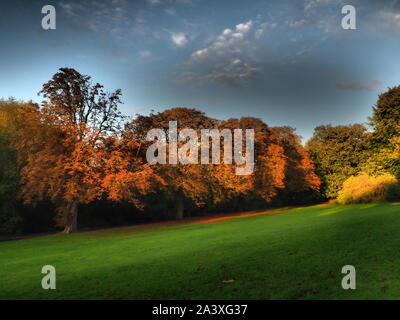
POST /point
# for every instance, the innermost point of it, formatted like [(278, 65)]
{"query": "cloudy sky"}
[(287, 62)]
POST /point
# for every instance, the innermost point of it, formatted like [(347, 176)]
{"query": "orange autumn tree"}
[(214, 183), (70, 149), (300, 176), (180, 182), (126, 176), (269, 162)]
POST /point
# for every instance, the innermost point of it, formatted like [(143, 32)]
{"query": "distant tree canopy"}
[(76, 148), (338, 153), (210, 183)]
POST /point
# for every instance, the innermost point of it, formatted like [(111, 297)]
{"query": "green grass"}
[(297, 254)]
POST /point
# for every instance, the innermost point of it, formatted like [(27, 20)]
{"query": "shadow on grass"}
[(298, 255)]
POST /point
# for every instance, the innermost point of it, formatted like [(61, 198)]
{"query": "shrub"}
[(366, 189), (10, 220)]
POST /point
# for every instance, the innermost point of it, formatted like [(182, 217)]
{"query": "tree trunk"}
[(71, 225), (180, 205)]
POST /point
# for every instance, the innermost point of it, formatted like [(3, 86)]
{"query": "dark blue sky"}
[(287, 62)]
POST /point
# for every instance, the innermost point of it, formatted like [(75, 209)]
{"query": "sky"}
[(286, 62)]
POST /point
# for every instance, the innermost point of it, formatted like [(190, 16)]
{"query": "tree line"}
[(76, 152), (368, 151), (77, 149)]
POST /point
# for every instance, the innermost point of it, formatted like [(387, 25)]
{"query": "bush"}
[(10, 220), (366, 189)]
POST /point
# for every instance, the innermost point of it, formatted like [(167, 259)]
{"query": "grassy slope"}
[(294, 255)]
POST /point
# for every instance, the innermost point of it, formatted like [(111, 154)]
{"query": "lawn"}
[(294, 254)]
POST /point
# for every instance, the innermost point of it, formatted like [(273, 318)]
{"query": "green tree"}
[(338, 153), (385, 118), (385, 121), (10, 217)]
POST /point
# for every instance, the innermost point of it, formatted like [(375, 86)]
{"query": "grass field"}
[(295, 254)]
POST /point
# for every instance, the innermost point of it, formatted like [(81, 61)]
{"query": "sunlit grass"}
[(297, 254)]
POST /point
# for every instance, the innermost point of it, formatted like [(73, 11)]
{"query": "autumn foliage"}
[(77, 148), (366, 189), (70, 150), (276, 167)]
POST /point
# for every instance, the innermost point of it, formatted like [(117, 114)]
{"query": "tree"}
[(385, 118), (301, 182), (70, 148), (209, 182), (385, 138), (182, 182), (10, 217), (338, 153), (269, 164)]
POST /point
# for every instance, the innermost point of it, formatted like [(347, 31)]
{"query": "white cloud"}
[(179, 39), (235, 62), (225, 40), (244, 27), (226, 60), (227, 32), (200, 53), (297, 23), (262, 29)]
